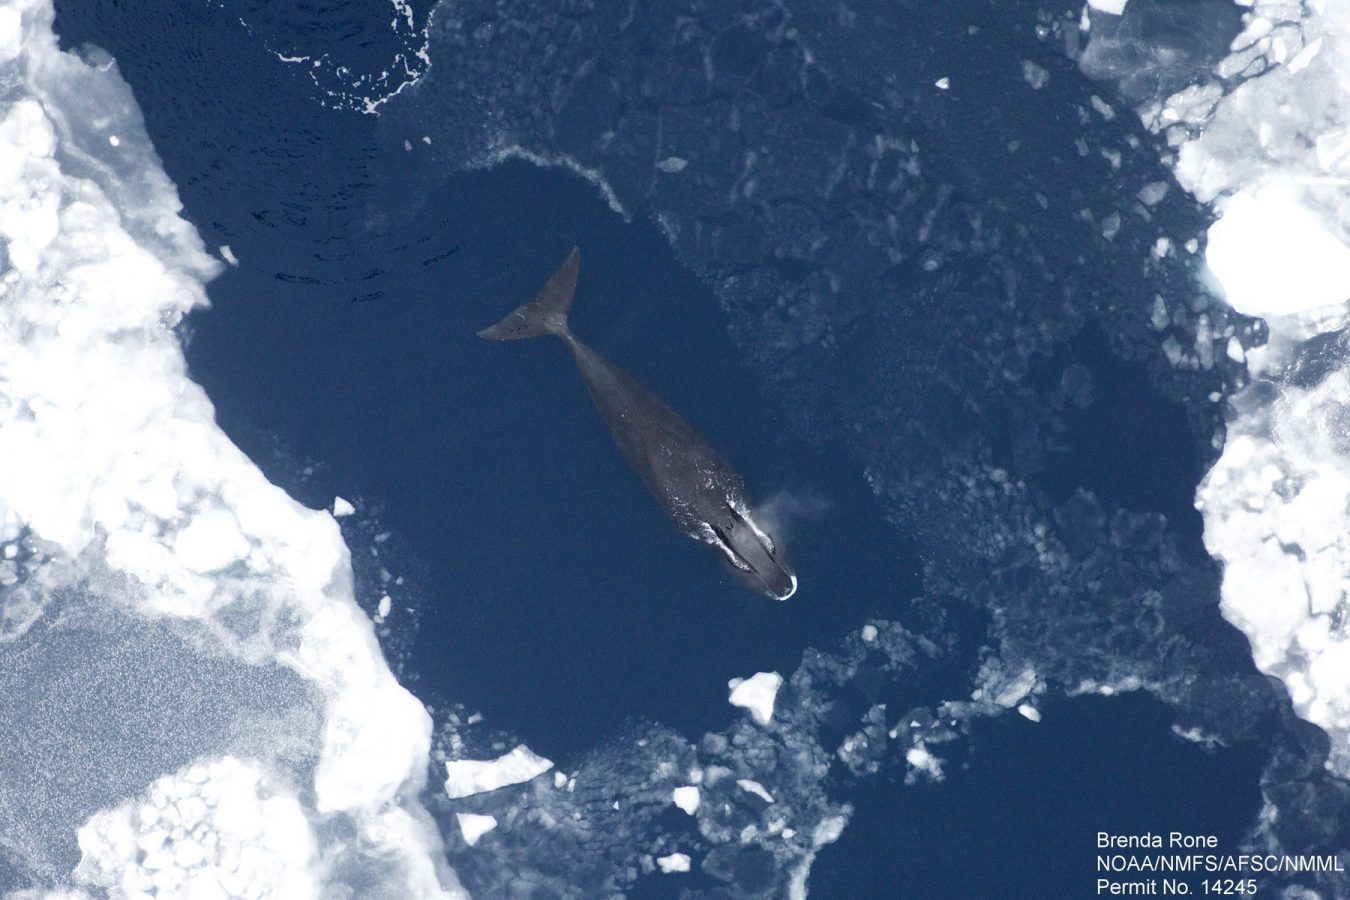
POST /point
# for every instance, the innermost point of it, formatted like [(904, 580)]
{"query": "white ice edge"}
[(186, 836), (114, 462), (1273, 156), (1114, 7)]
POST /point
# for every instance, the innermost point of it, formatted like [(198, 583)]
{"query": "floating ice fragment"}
[(828, 831), (1273, 256), (473, 826), (686, 798), (1009, 694), (228, 255), (869, 633), (675, 862), (942, 83), (342, 508), (1113, 7), (756, 694), (1030, 712), (1305, 56), (923, 761), (754, 787), (466, 777)]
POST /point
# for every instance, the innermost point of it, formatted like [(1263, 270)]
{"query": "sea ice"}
[(756, 694), (473, 826), (466, 777)]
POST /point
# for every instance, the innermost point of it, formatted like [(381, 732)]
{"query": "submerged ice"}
[(753, 800)]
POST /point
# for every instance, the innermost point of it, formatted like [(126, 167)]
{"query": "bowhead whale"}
[(703, 495)]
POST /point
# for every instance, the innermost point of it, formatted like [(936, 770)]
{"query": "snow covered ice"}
[(1274, 159), (126, 494), (756, 694), (466, 777)]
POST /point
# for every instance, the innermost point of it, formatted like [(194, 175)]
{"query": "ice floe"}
[(473, 826), (466, 777), (675, 862), (1270, 152), (221, 828), (116, 471), (686, 798), (756, 694)]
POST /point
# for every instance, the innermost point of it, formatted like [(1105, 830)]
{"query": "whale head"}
[(753, 556)]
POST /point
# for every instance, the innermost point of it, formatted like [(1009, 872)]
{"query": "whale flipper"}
[(546, 313)]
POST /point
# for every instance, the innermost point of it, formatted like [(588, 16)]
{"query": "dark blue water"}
[(557, 597), (551, 594), (1021, 818)]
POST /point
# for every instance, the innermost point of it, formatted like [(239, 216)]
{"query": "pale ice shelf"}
[(221, 828), (1271, 153), (115, 466), (1275, 256)]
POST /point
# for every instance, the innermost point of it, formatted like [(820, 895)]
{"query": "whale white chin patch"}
[(744, 512), (711, 536)]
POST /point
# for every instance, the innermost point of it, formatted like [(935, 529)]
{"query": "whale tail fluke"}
[(546, 313)]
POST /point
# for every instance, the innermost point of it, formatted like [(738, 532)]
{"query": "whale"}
[(699, 491)]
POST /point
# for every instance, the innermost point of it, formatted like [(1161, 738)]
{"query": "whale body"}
[(703, 496)]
